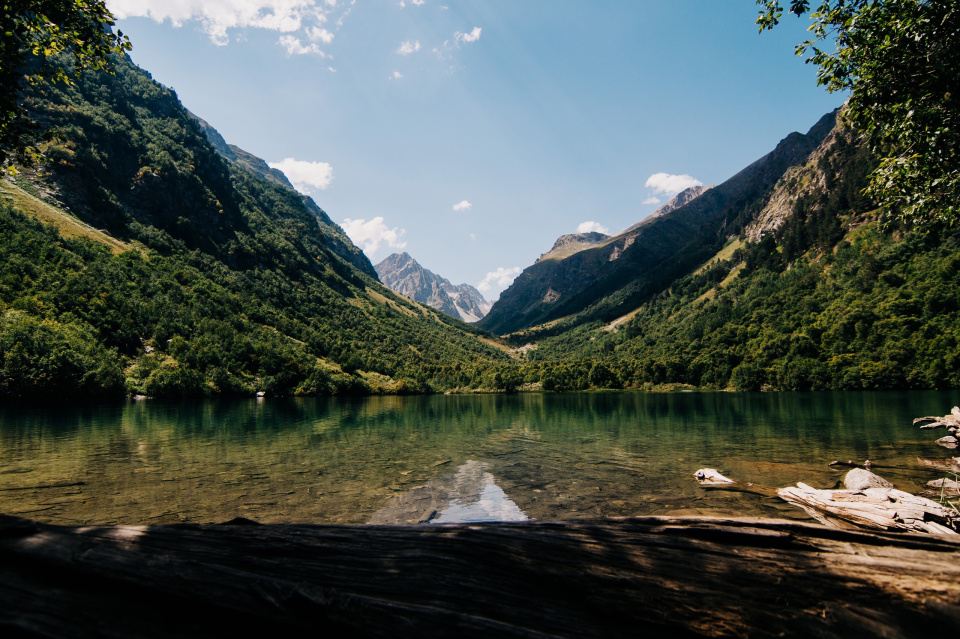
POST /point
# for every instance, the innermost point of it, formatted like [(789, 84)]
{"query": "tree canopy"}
[(39, 38), (900, 60)]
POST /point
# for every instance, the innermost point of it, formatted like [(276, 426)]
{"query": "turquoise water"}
[(449, 458)]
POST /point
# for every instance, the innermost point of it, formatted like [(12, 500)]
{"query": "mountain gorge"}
[(404, 275), (146, 255)]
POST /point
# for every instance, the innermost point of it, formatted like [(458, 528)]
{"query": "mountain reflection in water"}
[(470, 494), (419, 459)]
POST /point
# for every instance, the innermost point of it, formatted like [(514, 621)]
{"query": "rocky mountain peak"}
[(404, 275)]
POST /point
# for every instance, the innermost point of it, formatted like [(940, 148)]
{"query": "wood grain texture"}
[(654, 576)]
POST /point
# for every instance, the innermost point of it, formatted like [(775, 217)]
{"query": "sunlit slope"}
[(816, 293), (608, 281), (233, 283)]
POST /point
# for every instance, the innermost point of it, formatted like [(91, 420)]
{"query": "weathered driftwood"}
[(878, 508), (852, 464), (867, 501), (711, 478), (951, 422), (651, 577)]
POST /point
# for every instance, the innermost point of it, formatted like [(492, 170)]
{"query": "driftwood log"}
[(951, 422), (867, 501), (651, 577)]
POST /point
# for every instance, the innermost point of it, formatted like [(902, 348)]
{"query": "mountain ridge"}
[(614, 278), (161, 266), (404, 275)]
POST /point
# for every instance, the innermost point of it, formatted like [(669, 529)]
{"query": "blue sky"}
[(473, 133)]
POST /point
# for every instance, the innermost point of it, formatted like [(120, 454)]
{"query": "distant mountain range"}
[(404, 275)]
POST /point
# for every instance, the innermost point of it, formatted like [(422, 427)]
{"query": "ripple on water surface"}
[(448, 458)]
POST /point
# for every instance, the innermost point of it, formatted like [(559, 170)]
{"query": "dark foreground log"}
[(651, 576)]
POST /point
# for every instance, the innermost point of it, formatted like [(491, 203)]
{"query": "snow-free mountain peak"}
[(404, 275)]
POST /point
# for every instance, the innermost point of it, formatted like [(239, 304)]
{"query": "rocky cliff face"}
[(404, 275), (619, 274), (817, 176), (680, 199)]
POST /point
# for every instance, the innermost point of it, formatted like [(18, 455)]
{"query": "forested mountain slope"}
[(177, 272), (614, 278), (814, 294)]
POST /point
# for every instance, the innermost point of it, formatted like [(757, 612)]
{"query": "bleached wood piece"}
[(881, 508)]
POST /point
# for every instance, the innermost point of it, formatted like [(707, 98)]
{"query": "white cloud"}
[(652, 200), (473, 36), (462, 206), (407, 47), (671, 184), (592, 227), (396, 75), (294, 47), (499, 279), (370, 235), (445, 50), (218, 17), (304, 175), (319, 34)]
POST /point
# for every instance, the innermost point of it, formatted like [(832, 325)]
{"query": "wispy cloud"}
[(319, 34), (462, 206), (652, 200), (396, 75), (370, 235), (218, 18), (444, 50), (409, 46), (668, 184), (304, 175), (294, 47), (473, 36), (592, 227), (499, 279)]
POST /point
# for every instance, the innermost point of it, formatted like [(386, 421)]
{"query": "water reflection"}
[(469, 494), (545, 457)]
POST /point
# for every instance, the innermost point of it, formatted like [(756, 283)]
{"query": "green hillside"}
[(139, 259), (604, 282), (831, 299)]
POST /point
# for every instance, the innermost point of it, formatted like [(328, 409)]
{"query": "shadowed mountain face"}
[(198, 269), (337, 240), (618, 275), (404, 275)]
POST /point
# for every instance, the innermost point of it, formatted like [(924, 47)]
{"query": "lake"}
[(449, 458)]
